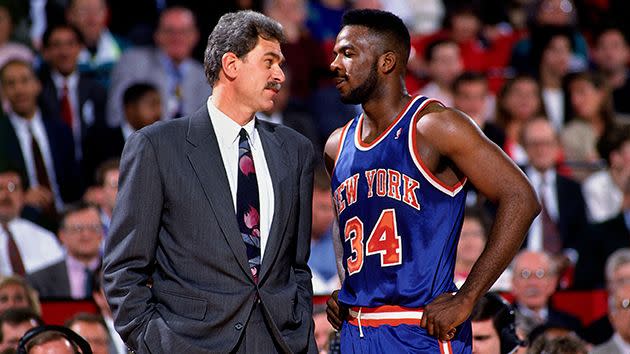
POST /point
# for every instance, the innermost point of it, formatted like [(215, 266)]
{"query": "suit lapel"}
[(279, 170), (205, 157)]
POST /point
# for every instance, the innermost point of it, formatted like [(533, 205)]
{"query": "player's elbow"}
[(529, 203)]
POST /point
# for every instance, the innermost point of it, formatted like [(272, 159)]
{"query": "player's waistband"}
[(384, 315)]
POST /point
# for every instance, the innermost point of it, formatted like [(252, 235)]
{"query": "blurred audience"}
[(116, 344), (180, 79), (471, 96), (619, 315), (611, 54), (81, 234), (102, 49), (323, 328), (569, 344), (93, 329), (444, 64), (494, 326), (15, 293), (534, 280), (13, 324), (25, 247)]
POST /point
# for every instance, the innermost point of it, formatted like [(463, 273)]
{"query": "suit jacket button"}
[(238, 326)]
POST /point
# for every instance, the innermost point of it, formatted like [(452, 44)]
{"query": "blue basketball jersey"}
[(399, 224)]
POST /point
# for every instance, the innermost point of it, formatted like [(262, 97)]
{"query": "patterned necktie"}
[(552, 242), (14, 253), (66, 109), (247, 204)]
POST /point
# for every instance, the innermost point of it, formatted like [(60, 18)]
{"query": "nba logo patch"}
[(398, 132)]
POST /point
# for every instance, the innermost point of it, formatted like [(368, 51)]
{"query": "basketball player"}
[(398, 172)]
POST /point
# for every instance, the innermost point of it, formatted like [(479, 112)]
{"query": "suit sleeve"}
[(131, 244), (300, 266)]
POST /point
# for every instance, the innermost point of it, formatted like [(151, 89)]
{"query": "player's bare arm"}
[(452, 146)]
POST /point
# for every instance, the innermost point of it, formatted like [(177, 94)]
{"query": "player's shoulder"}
[(436, 118)]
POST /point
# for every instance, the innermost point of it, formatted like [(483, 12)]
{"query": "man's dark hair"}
[(389, 27), (59, 26), (50, 336), (238, 33), (136, 91), (17, 61), (74, 208), (429, 50), (610, 27), (493, 307), (468, 76), (17, 316), (612, 140), (103, 168)]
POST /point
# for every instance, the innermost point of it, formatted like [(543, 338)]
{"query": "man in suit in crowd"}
[(80, 234), (215, 210), (73, 97), (169, 67), (24, 246), (13, 324), (93, 329), (561, 226), (619, 314), (43, 148), (534, 280)]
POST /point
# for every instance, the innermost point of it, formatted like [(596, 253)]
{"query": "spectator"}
[(38, 145), (24, 246), (179, 78), (13, 324), (619, 314), (561, 225), (444, 65), (93, 329), (142, 107), (569, 344), (617, 274), (323, 329), (603, 190), (324, 18), (494, 326), (81, 235), (591, 106), (471, 96), (116, 344), (534, 280), (472, 241), (8, 48), (322, 259), (74, 97), (518, 101), (102, 49), (611, 55), (15, 293), (107, 178), (51, 341)]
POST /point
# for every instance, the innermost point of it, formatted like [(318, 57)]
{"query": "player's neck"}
[(380, 111)]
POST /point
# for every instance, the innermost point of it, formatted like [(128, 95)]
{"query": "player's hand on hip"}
[(336, 313), (442, 315)]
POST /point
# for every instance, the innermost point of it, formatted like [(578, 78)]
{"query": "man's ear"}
[(387, 62), (230, 64)]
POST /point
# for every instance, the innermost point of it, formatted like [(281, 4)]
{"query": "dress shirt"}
[(227, 134), (127, 130), (624, 347), (275, 118), (535, 238), (38, 247), (602, 196), (21, 127), (107, 51), (121, 347), (553, 100), (540, 315), (76, 276)]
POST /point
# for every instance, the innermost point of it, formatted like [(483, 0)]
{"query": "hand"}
[(336, 313), (445, 313), (38, 197)]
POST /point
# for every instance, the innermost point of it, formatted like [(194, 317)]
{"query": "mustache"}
[(6, 202), (276, 86)]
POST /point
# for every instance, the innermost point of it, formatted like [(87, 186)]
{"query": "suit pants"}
[(258, 337)]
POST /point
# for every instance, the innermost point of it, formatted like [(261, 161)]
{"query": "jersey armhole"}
[(415, 156), (342, 138)]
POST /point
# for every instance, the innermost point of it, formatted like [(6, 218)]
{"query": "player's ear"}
[(387, 62)]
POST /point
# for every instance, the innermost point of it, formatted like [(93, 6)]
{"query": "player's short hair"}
[(238, 33), (392, 30)]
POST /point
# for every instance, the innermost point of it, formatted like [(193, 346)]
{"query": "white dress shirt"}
[(624, 347), (602, 196), (553, 100), (535, 238), (36, 124), (38, 247), (121, 347), (227, 133)]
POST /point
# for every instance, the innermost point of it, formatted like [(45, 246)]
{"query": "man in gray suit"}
[(619, 314), (169, 67), (214, 212)]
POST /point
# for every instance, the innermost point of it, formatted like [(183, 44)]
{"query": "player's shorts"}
[(395, 329)]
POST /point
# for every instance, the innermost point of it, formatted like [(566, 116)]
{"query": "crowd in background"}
[(548, 81)]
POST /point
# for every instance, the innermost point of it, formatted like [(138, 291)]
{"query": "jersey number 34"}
[(383, 240)]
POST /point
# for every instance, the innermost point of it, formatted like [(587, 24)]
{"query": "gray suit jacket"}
[(174, 223), (607, 348), (51, 282), (143, 65)]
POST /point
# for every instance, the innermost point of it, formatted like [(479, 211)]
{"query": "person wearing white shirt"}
[(37, 247), (619, 314)]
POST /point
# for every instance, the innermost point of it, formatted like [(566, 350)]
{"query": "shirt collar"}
[(621, 343), (71, 80), (74, 263), (226, 129), (22, 122)]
